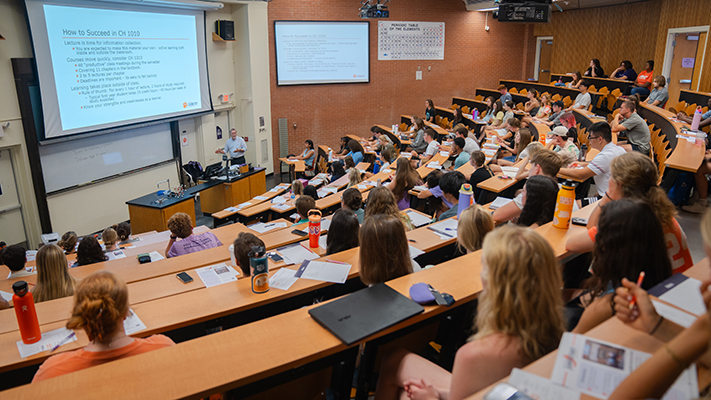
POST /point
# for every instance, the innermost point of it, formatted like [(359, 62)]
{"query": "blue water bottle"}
[(259, 269), (475, 114), (465, 198)]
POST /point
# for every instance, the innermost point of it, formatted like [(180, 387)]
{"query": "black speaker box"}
[(225, 29)]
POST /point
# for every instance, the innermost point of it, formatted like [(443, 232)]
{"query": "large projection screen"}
[(317, 52), (103, 65)]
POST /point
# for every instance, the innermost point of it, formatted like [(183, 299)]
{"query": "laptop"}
[(365, 312)]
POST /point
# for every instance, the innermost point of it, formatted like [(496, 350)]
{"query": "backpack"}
[(681, 189)]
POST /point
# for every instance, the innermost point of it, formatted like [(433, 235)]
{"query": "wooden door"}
[(544, 62), (683, 64), (11, 222)]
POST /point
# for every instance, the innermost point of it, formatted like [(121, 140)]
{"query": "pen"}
[(65, 340), (412, 240), (450, 229), (639, 283), (268, 225), (337, 262)]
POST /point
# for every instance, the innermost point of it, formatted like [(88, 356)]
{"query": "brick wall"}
[(473, 58)]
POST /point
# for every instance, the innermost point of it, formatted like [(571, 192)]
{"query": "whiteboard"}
[(408, 40), (85, 160)]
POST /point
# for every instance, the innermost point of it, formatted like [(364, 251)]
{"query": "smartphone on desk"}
[(299, 232), (579, 221), (184, 277), (275, 257)]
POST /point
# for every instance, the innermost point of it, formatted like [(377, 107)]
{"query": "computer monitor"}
[(212, 170)]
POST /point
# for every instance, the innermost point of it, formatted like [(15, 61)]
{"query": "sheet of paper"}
[(262, 227), (386, 171), (48, 341), (274, 189), (7, 296), (283, 279), (499, 202), (243, 205), (418, 219), (537, 387), (316, 182), (278, 200), (675, 315), (282, 206), (324, 271), (686, 296), (261, 198), (406, 155), (296, 254), (217, 274), (132, 323), (296, 217), (155, 256), (444, 153), (115, 255), (415, 252), (31, 255), (362, 186), (510, 171), (448, 227), (434, 165), (231, 209), (420, 188), (322, 242)]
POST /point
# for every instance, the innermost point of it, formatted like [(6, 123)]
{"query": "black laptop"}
[(365, 312)]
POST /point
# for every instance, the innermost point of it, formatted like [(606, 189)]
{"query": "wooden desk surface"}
[(558, 237), (423, 170), (299, 165), (281, 188), (686, 156)]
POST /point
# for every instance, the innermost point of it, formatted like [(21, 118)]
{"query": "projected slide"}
[(321, 52), (112, 65)]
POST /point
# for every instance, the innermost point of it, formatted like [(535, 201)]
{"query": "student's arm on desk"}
[(167, 248), (595, 313), (424, 194), (507, 212), (581, 174), (616, 125), (580, 243)]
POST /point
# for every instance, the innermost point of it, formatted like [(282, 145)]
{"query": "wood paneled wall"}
[(581, 35)]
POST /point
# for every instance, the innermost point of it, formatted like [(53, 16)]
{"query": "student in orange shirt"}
[(643, 84), (100, 306)]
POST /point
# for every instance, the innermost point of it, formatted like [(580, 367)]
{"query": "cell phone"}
[(275, 257), (579, 221), (504, 391), (299, 232), (184, 277)]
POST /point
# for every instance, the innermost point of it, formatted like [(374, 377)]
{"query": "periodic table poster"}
[(404, 40)]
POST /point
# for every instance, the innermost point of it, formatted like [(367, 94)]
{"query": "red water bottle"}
[(314, 227), (24, 305)]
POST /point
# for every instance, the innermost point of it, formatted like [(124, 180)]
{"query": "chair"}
[(604, 90), (520, 106), (479, 97), (322, 165), (454, 107), (404, 127), (553, 82), (590, 107), (567, 101), (523, 92), (513, 90), (616, 93), (555, 97), (465, 110), (438, 119), (680, 106), (592, 88), (583, 137), (612, 116), (545, 94), (690, 110), (444, 123)]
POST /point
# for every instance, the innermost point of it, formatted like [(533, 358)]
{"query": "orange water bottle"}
[(564, 205), (314, 227), (25, 312), (542, 137)]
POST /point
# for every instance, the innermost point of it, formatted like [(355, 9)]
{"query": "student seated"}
[(405, 179), (629, 240), (472, 226), (110, 239), (69, 240), (582, 100), (507, 133), (418, 141), (303, 205), (481, 172), (343, 150), (242, 246), (533, 104), (462, 157), (497, 116), (430, 111), (352, 200), (643, 83), (624, 72), (595, 70), (681, 346), (382, 201), (308, 156), (542, 162), (437, 203), (123, 230), (384, 250), (337, 171), (505, 95), (386, 157), (659, 95), (100, 307), (297, 188), (508, 108), (181, 226), (89, 252), (356, 152), (553, 119), (521, 140), (543, 112), (539, 198), (470, 144), (627, 120), (53, 279), (577, 80), (343, 232), (354, 177), (380, 138), (563, 140), (507, 337), (600, 138), (451, 183), (432, 147), (635, 176), (457, 118), (311, 191), (14, 258), (488, 113)]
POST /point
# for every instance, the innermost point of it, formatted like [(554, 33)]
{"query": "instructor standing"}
[(235, 148)]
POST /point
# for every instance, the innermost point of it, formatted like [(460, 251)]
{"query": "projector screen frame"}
[(276, 57), (153, 7)]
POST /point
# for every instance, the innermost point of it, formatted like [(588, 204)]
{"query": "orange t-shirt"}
[(677, 247), (80, 359), (644, 77)]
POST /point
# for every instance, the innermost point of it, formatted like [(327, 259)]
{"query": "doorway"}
[(544, 52), (11, 222), (683, 59)]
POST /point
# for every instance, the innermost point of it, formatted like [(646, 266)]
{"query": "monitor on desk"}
[(212, 170)]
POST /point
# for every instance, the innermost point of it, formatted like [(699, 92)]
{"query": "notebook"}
[(365, 312)]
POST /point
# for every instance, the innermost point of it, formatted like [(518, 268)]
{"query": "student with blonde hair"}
[(474, 223), (68, 242), (354, 177), (512, 331), (100, 306), (384, 253), (297, 188), (110, 239), (53, 279), (382, 201)]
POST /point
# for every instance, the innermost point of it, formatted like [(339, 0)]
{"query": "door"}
[(683, 64), (12, 227), (544, 62)]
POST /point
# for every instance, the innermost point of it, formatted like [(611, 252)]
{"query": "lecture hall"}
[(355, 199)]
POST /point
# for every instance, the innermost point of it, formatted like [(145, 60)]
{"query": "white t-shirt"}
[(20, 273), (432, 148), (600, 165), (582, 100), (470, 145)]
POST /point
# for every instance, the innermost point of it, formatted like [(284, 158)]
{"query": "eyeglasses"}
[(591, 137)]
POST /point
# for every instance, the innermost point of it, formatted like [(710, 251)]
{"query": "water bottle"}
[(259, 268), (697, 119), (25, 312), (564, 205), (314, 227), (378, 182), (475, 114), (465, 198), (583, 152)]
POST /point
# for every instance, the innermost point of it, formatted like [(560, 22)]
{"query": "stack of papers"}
[(316, 182), (434, 165), (362, 186), (278, 200), (296, 254), (263, 227), (674, 315), (325, 224), (324, 271), (386, 171), (446, 229), (444, 153), (406, 155), (323, 242), (499, 202), (418, 219), (217, 274), (681, 291)]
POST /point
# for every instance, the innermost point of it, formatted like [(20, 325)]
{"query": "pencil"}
[(639, 283)]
